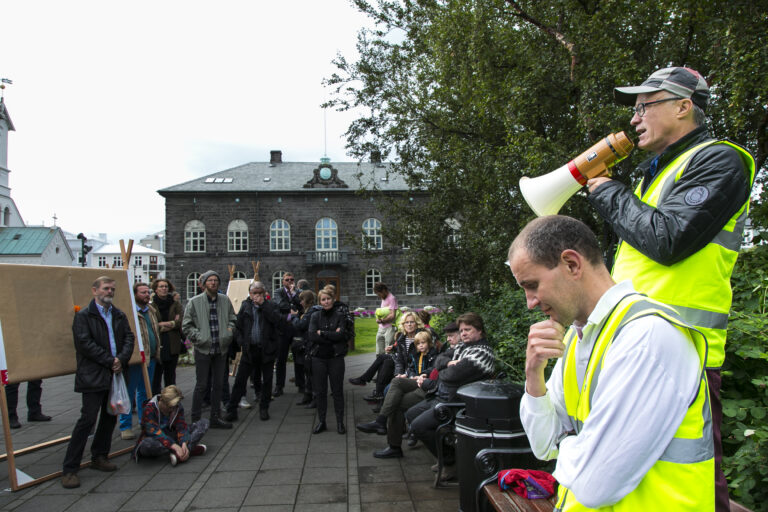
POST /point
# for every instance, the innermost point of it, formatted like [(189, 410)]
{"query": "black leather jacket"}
[(270, 338), (94, 356), (675, 229)]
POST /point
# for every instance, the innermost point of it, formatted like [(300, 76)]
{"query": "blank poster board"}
[(237, 291), (37, 308)]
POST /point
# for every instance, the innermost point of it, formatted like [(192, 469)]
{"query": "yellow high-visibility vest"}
[(683, 479), (698, 287)]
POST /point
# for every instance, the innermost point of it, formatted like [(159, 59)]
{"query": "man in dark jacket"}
[(256, 333), (104, 344), (681, 228), (287, 299)]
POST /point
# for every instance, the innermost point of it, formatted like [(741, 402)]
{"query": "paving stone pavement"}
[(275, 465)]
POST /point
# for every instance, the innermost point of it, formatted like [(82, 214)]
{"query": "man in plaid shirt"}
[(209, 323)]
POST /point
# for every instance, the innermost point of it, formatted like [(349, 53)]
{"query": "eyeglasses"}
[(639, 109), (288, 279)]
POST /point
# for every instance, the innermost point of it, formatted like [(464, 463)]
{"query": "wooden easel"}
[(11, 454)]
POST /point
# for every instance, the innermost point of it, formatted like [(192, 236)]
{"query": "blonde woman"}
[(327, 332)]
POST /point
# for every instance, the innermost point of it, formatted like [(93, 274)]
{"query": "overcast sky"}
[(114, 100)]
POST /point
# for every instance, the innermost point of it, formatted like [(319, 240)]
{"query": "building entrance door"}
[(322, 281)]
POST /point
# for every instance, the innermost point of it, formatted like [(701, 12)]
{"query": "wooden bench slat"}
[(504, 501)]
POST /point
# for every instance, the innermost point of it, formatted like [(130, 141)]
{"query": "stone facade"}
[(261, 193)]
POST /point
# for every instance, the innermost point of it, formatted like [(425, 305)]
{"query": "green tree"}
[(466, 97)]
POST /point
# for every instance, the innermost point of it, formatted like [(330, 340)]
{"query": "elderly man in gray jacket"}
[(209, 323)]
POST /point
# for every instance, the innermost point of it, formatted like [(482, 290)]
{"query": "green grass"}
[(365, 335)]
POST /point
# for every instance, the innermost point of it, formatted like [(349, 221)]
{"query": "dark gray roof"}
[(291, 177)]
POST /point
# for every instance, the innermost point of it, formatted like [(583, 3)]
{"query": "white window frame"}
[(194, 236), (237, 236), (192, 287), (277, 281), (280, 236), (452, 286), (326, 235), (411, 283), (372, 277), (102, 262), (239, 275), (372, 238), (117, 262)]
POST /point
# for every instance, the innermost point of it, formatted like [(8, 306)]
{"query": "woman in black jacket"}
[(327, 332)]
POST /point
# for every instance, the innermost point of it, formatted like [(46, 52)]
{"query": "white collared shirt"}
[(650, 376)]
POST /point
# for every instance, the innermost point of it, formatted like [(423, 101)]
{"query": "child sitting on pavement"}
[(164, 430)]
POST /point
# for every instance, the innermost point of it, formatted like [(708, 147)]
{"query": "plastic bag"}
[(119, 402)]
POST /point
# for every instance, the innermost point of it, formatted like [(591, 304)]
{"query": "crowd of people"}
[(631, 409)]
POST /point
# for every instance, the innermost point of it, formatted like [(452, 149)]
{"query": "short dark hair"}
[(380, 287), (472, 319), (136, 286), (545, 239), (425, 316)]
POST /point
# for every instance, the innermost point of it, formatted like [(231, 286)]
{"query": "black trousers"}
[(34, 392), (248, 364), (323, 371), (384, 369), (94, 404), (421, 418), (216, 366), (224, 384), (165, 371), (282, 360)]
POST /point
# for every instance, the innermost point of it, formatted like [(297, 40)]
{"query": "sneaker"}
[(374, 397), (126, 435), (244, 404), (435, 467), (174, 459), (70, 480), (102, 464), (198, 449), (357, 381)]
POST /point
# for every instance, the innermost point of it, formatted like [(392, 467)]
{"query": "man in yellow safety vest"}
[(681, 228), (625, 410)]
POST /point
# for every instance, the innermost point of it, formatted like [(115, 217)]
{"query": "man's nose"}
[(531, 300)]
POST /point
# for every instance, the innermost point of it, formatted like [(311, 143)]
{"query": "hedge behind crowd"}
[(745, 374)]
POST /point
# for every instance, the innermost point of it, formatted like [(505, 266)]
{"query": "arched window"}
[(194, 236), (7, 216), (239, 275), (277, 281), (454, 236), (279, 235), (326, 235), (412, 286), (372, 277), (237, 236), (192, 287), (372, 239)]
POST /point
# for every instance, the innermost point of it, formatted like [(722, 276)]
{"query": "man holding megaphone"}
[(681, 228)]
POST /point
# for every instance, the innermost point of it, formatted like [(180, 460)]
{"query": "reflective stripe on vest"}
[(698, 287), (683, 477)]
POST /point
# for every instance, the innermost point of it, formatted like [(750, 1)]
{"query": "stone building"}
[(306, 218)]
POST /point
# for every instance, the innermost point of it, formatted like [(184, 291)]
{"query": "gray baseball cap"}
[(683, 82)]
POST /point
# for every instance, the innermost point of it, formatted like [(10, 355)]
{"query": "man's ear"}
[(684, 108), (573, 262)]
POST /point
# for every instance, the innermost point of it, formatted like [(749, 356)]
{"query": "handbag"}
[(119, 401)]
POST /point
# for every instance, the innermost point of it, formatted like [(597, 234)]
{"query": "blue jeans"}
[(136, 391)]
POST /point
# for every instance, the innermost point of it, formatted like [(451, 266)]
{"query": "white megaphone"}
[(548, 193)]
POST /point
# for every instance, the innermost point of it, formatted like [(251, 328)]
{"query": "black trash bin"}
[(491, 420)]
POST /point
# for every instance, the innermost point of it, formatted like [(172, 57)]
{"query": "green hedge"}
[(745, 373)]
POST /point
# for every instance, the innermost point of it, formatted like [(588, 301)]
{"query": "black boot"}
[(320, 427), (306, 399)]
